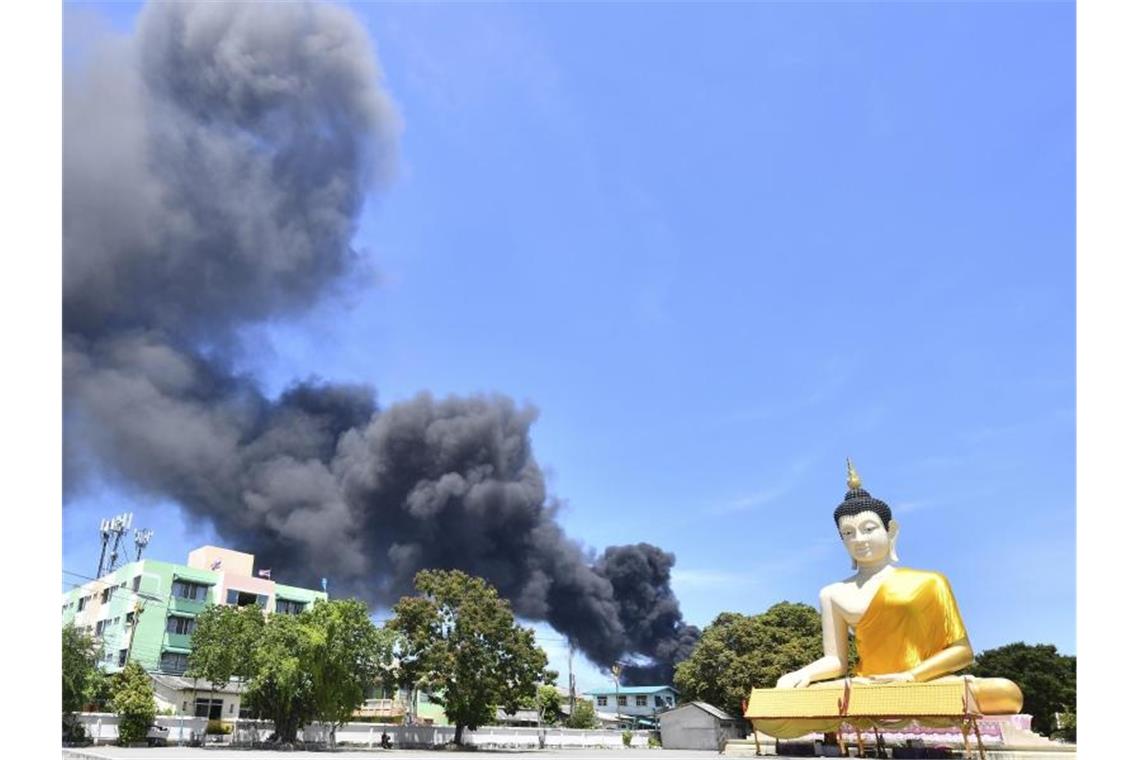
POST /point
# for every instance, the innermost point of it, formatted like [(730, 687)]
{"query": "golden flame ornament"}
[(853, 480)]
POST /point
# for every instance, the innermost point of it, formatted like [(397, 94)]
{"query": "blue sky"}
[(721, 248)]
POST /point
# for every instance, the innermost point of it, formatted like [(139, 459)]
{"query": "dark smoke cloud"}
[(215, 165)]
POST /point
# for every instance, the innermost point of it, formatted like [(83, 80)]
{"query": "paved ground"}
[(188, 753)]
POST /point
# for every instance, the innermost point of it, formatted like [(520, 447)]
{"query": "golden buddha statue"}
[(906, 622)]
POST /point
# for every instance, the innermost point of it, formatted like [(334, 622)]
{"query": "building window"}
[(129, 619), (623, 701), (187, 590), (122, 657), (183, 626), (231, 708), (99, 626), (82, 603), (290, 607), (669, 701), (244, 598), (208, 708), (173, 662), (135, 583), (641, 700), (602, 701), (658, 701), (106, 595)]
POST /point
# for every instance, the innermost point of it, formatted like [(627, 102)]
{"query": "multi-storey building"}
[(145, 611), (635, 705)]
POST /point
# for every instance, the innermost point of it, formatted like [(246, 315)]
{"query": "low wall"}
[(103, 728)]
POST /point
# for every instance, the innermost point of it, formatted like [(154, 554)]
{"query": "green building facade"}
[(145, 611)]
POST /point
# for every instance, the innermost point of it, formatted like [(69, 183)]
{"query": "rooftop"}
[(628, 690)]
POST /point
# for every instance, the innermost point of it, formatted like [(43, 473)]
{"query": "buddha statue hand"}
[(797, 679), (903, 677)]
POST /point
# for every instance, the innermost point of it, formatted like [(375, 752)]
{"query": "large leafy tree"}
[(1048, 679), (737, 653), (280, 686), (346, 655), (133, 701), (222, 641), (411, 636), (80, 668), (315, 666), (468, 649)]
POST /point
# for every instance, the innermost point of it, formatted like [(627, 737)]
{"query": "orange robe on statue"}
[(912, 617)]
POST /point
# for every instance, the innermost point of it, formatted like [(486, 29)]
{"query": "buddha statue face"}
[(867, 540)]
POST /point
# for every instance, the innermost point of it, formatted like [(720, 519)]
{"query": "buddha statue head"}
[(865, 524)]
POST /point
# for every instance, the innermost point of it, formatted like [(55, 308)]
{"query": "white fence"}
[(103, 728)]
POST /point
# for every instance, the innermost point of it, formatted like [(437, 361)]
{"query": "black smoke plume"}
[(215, 166)]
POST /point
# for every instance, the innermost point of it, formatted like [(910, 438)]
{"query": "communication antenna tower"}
[(142, 538), (104, 535), (112, 530)]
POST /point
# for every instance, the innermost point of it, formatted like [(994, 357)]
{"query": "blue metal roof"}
[(630, 690)]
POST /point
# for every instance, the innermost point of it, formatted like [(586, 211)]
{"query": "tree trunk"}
[(458, 733)]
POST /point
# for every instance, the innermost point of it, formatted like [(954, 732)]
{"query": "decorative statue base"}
[(909, 635)]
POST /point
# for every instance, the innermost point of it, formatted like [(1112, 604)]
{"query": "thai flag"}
[(215, 564), (264, 573)]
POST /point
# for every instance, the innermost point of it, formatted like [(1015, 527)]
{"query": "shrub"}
[(133, 701), (627, 738), (216, 727), (654, 740), (583, 715)]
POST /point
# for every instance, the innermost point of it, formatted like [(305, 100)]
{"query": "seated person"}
[(906, 622)]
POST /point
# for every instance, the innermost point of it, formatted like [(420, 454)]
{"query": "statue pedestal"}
[(864, 712)]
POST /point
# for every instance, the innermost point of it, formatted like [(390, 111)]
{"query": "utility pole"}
[(616, 672), (573, 700), (538, 711), (139, 607)]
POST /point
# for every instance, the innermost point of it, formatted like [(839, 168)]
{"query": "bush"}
[(654, 741), (627, 738), (1066, 727), (73, 731), (583, 715), (133, 701), (217, 727)]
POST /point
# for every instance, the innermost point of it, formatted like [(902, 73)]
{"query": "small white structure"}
[(184, 696), (698, 725)]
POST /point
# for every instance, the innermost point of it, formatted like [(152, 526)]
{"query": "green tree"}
[(1047, 678), (583, 715), (411, 637), (80, 668), (315, 666), (549, 704), (280, 686), (133, 701), (737, 653), (221, 643), (346, 654), (471, 652)]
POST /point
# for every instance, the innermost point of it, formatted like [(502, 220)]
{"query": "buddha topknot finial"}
[(853, 480)]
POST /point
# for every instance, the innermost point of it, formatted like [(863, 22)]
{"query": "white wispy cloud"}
[(781, 485), (698, 579)]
